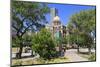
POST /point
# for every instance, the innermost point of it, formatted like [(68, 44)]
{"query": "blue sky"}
[(66, 10)]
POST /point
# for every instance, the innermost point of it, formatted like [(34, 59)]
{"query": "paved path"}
[(73, 56)]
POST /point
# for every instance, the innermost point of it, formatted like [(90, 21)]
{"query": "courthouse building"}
[(58, 30)]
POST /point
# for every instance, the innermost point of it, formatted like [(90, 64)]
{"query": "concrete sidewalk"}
[(73, 56)]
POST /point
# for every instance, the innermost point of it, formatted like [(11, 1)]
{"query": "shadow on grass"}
[(83, 53), (31, 56), (86, 53)]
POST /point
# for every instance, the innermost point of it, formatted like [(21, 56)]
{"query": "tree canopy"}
[(27, 16), (84, 21), (81, 26)]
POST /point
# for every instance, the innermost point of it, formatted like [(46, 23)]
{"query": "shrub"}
[(43, 44)]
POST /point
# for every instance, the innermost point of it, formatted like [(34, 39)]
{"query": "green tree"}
[(26, 16), (43, 44), (64, 40), (82, 24)]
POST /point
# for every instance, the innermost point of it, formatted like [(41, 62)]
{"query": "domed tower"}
[(56, 24)]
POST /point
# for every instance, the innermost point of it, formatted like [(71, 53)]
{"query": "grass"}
[(90, 57), (58, 60), (39, 61)]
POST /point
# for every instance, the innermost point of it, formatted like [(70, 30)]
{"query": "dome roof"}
[(56, 18)]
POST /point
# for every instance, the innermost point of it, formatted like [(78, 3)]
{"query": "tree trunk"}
[(20, 51), (89, 49), (78, 49), (32, 53)]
